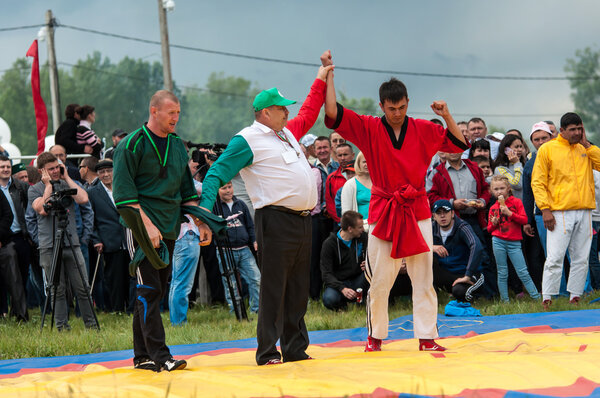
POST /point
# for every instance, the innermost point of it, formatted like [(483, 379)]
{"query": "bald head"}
[(164, 113), (59, 151)]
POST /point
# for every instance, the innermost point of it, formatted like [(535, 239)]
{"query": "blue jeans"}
[(594, 262), (333, 299), (185, 262), (246, 265), (504, 249)]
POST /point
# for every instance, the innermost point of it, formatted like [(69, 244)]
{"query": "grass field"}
[(211, 324)]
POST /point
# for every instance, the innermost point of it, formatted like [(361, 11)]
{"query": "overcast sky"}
[(466, 37)]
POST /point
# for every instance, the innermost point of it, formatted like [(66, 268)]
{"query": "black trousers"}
[(334, 299), (23, 249), (284, 242), (116, 279), (9, 272), (213, 273), (148, 330)]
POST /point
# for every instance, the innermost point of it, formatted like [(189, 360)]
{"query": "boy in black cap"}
[(457, 253)]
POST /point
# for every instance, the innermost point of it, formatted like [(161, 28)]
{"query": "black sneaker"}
[(173, 364), (145, 364)]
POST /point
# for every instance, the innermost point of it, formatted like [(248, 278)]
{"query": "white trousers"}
[(573, 231), (381, 272)]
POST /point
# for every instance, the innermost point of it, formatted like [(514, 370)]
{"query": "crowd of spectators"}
[(489, 236)]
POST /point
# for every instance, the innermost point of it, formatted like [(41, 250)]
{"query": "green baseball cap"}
[(270, 97)]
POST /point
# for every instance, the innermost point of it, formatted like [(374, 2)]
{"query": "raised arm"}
[(330, 99), (309, 112), (440, 108)]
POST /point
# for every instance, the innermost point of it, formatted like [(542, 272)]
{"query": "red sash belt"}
[(398, 224)]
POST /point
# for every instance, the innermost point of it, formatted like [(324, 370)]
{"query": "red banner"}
[(41, 115)]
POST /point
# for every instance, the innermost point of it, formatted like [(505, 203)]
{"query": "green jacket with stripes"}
[(160, 186)]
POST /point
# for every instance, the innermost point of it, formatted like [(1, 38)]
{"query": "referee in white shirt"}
[(283, 191)]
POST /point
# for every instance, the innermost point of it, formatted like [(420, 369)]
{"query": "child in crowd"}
[(240, 230), (485, 166), (506, 218), (480, 148), (510, 161)]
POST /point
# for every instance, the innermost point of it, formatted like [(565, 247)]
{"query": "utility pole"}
[(164, 39), (54, 94)]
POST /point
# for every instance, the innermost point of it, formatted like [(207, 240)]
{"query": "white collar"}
[(262, 127)]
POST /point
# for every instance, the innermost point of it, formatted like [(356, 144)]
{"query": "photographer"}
[(47, 192)]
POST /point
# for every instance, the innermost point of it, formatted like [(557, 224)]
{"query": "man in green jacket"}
[(151, 178)]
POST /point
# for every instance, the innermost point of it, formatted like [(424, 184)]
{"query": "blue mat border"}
[(400, 328)]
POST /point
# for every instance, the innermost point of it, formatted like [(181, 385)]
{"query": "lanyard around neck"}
[(163, 162), (282, 137)]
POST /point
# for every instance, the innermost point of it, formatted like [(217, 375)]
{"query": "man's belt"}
[(301, 213)]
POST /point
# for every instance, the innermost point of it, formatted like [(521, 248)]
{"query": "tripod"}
[(230, 271), (62, 221)]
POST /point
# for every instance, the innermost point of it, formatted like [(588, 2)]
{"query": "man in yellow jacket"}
[(563, 186)]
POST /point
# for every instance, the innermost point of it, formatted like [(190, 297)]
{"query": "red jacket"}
[(335, 182), (509, 227), (442, 188)]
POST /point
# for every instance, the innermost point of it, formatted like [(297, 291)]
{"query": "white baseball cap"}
[(308, 140), (543, 126)]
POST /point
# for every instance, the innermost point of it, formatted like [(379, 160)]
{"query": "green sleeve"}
[(125, 168), (187, 189), (237, 156)]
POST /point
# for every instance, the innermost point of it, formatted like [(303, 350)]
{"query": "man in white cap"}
[(283, 191), (308, 142)]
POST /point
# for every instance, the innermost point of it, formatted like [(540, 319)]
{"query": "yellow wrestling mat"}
[(542, 361)]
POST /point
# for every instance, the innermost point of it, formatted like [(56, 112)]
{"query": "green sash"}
[(159, 258)]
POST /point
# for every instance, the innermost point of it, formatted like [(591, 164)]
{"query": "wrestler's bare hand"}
[(326, 58), (440, 108), (323, 71), (205, 234), (153, 233)]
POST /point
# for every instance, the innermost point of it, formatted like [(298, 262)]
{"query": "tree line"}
[(214, 113), (120, 92)]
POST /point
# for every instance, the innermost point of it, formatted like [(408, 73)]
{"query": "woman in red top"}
[(506, 218)]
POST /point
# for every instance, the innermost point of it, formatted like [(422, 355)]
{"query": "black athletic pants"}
[(284, 242), (443, 279), (148, 330)]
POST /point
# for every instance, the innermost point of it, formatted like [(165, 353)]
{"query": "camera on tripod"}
[(59, 200)]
